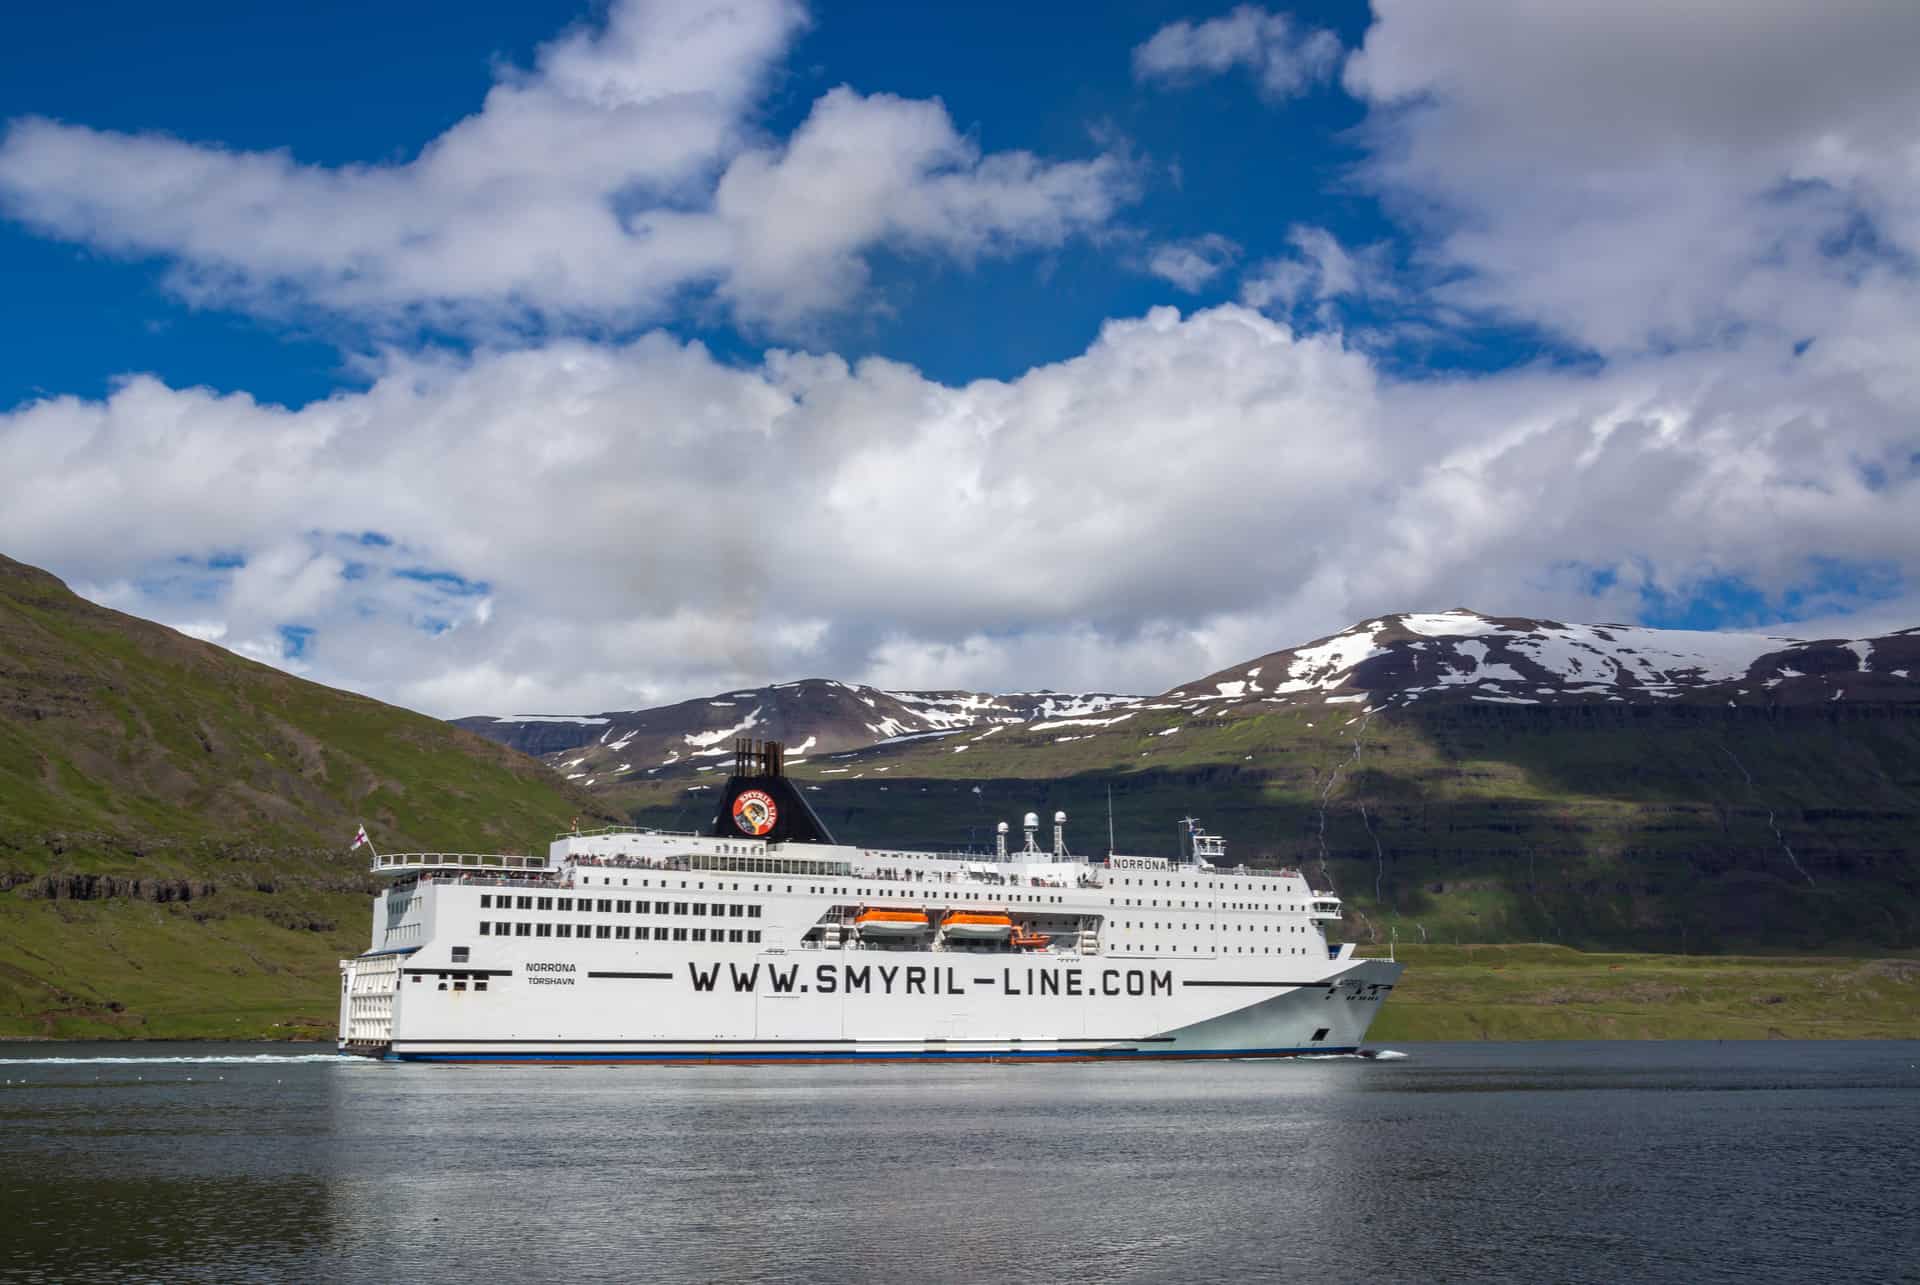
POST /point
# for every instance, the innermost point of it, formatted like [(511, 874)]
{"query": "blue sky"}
[(313, 82), (1034, 345)]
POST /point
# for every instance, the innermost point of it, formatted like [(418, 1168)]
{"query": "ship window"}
[(753, 934), (416, 979), (699, 934), (603, 930), (753, 912), (479, 986), (484, 929), (543, 930), (679, 907), (460, 954), (624, 907), (526, 903), (522, 930), (699, 907), (442, 986), (1320, 1034), (736, 910), (659, 934), (566, 903), (679, 934), (459, 986), (486, 901), (546, 903), (623, 932), (718, 910), (606, 906), (734, 934), (566, 930), (502, 930)]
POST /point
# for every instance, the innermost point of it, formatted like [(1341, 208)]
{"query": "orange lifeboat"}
[(968, 925), (890, 923), (1028, 939)]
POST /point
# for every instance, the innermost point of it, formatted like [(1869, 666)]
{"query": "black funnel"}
[(759, 802)]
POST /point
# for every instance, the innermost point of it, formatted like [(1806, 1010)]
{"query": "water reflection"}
[(1493, 1162)]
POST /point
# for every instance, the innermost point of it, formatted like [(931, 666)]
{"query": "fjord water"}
[(1522, 1162)]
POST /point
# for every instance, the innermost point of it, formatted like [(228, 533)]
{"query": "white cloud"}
[(644, 522), (1191, 264), (1319, 270), (1284, 59), (618, 174), (1644, 174)]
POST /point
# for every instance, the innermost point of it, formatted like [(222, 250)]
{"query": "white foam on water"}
[(210, 1059)]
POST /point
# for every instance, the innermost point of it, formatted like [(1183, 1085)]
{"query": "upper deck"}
[(645, 849)]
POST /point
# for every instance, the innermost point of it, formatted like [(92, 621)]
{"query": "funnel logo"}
[(754, 812)]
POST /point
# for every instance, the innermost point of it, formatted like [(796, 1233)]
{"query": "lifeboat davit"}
[(890, 923), (972, 926)]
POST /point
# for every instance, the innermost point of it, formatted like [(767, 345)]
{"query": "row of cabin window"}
[(616, 932), (1210, 884), (1225, 905), (718, 909), (1232, 928), (1234, 950)]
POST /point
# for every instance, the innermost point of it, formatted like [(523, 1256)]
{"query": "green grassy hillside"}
[(1640, 828), (174, 823)]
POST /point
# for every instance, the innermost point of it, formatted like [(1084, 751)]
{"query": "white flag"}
[(360, 838)]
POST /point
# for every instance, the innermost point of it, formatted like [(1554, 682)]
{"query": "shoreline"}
[(1448, 993)]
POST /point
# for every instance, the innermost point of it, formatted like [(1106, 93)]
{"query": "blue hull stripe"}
[(830, 1055)]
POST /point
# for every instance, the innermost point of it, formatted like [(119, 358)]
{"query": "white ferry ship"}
[(765, 941)]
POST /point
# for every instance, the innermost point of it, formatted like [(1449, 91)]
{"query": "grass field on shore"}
[(144, 972), (1554, 993)]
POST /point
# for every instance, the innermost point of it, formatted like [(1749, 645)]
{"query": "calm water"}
[(1535, 1162)]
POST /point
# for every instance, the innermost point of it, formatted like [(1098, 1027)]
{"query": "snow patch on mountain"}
[(714, 738)]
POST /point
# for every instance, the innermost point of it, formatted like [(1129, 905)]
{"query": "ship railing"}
[(627, 829), (462, 860)]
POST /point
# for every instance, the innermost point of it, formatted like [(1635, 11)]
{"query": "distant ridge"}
[(1461, 655), (813, 716), (1388, 662)]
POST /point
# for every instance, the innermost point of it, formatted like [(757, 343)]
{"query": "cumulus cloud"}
[(584, 526), (606, 183), (1284, 59), (1189, 265), (1643, 174)]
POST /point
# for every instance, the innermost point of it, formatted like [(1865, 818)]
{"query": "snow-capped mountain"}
[(1461, 656), (814, 716), (1414, 659)]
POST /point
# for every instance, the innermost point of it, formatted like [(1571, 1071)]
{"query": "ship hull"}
[(1015, 1012)]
